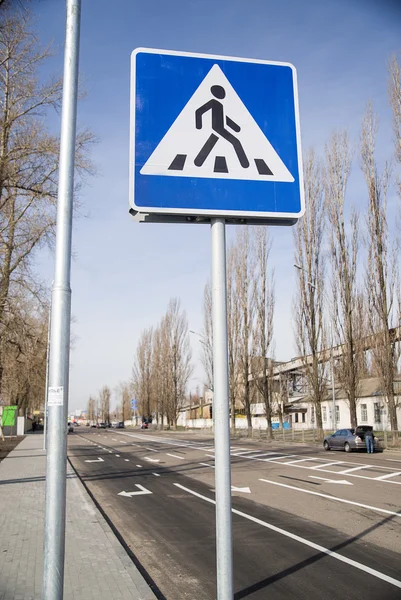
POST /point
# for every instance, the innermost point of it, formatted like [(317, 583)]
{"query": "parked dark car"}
[(349, 439), (120, 425), (101, 425)]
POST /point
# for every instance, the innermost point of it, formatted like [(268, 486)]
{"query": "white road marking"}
[(126, 459), (97, 460), (152, 459), (142, 491), (156, 474), (277, 458), (151, 449), (210, 455), (387, 476), (354, 469), (139, 466), (342, 481), (293, 462), (260, 455), (124, 442), (118, 456), (175, 456), (243, 452), (114, 439), (393, 459), (244, 490), (206, 465), (312, 493), (138, 445), (337, 462), (305, 542)]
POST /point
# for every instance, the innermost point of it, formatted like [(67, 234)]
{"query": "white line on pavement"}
[(293, 462), (312, 493), (126, 459), (297, 538), (277, 458), (206, 465), (151, 449), (118, 456), (387, 476), (354, 469), (156, 474), (175, 456), (337, 462), (210, 455), (139, 466), (393, 459)]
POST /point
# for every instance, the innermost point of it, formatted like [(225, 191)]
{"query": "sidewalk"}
[(96, 565)]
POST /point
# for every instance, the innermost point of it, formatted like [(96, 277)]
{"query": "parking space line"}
[(304, 541), (139, 466), (175, 456), (151, 449), (156, 474), (323, 465), (342, 500), (278, 458), (387, 476), (354, 469), (293, 462), (207, 465)]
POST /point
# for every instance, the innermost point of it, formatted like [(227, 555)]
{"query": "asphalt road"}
[(306, 523)]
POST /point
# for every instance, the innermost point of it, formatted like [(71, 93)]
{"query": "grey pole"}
[(47, 379), (221, 414), (333, 391), (54, 535)]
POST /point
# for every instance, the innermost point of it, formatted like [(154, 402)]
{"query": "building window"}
[(364, 413), (324, 414), (377, 412), (337, 414), (296, 417), (312, 417), (303, 418)]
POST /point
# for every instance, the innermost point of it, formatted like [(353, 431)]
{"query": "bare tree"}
[(91, 410), (381, 270), (264, 299), (245, 273), (179, 358), (104, 397), (233, 332), (344, 246), (124, 390), (142, 373), (394, 89), (28, 159), (207, 338), (308, 237)]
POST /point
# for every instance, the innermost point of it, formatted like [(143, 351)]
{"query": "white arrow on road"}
[(99, 459), (142, 492), (245, 490), (342, 481), (152, 459)]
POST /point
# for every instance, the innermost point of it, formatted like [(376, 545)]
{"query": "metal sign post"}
[(215, 139), (56, 464), (221, 414)]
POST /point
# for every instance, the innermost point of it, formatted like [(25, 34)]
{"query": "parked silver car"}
[(349, 439)]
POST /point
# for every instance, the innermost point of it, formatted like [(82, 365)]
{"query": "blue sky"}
[(123, 273)]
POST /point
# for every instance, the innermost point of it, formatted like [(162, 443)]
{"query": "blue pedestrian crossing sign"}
[(214, 136)]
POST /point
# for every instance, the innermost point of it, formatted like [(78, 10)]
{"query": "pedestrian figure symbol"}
[(218, 126), (229, 144)]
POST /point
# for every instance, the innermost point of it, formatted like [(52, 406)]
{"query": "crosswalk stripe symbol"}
[(215, 136)]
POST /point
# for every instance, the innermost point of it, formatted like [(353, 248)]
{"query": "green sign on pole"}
[(9, 416)]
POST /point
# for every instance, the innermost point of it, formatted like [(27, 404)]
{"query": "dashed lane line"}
[(175, 456)]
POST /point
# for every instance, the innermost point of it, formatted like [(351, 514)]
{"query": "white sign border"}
[(230, 214)]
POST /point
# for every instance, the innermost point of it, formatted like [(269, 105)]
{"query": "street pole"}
[(47, 379), (221, 414), (54, 534), (333, 391)]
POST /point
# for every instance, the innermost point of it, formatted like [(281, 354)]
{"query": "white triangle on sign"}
[(176, 153)]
